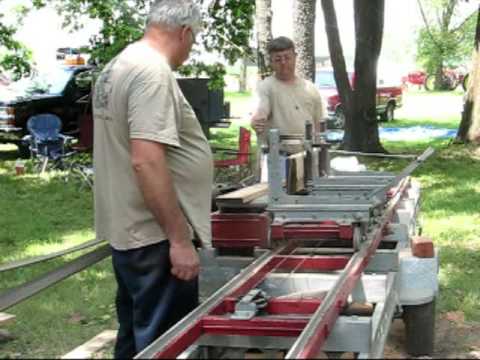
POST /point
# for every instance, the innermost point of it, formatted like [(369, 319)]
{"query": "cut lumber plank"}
[(6, 318), (92, 346), (246, 194), (296, 173)]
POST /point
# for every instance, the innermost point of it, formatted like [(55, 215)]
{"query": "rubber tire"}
[(419, 328), (389, 114)]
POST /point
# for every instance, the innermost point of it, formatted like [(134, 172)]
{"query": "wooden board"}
[(6, 318), (296, 173), (245, 195), (87, 350)]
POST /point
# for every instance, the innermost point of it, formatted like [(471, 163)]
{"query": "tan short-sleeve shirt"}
[(137, 97), (287, 106)]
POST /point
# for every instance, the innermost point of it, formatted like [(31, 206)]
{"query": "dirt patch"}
[(454, 339)]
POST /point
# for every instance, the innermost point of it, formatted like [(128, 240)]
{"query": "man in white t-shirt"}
[(153, 177), (285, 101)]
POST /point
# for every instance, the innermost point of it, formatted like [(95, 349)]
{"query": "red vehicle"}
[(389, 97), (451, 79)]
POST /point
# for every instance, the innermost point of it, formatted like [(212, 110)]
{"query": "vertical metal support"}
[(308, 162), (358, 293), (274, 175)]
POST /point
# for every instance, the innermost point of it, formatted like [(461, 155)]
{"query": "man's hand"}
[(185, 260), (259, 123)]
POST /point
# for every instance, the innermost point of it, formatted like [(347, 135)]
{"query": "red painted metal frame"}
[(217, 321), (240, 230), (276, 306), (305, 231), (354, 271)]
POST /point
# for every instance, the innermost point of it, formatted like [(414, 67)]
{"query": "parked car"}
[(58, 92), (389, 96)]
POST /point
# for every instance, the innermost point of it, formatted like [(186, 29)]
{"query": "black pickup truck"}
[(58, 92), (65, 92)]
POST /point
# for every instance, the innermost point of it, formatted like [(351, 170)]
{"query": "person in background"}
[(153, 177), (286, 101)]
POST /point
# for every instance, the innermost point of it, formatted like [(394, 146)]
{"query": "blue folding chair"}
[(46, 143)]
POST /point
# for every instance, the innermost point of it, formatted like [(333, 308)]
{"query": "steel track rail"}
[(14, 296), (315, 334), (188, 323), (38, 259)]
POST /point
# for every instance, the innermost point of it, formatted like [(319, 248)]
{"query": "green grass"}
[(42, 215), (450, 196), (39, 216)]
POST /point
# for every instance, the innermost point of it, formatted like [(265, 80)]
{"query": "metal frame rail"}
[(16, 295), (309, 320)]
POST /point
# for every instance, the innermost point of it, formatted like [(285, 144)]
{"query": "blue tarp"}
[(411, 133)]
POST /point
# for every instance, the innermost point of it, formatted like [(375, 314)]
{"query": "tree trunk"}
[(304, 37), (242, 78), (467, 131), (338, 60), (439, 83), (263, 22), (369, 21)]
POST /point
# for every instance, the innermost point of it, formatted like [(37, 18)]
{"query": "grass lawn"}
[(42, 215)]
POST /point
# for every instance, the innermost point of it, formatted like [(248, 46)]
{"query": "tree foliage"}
[(228, 28), (446, 39), (14, 56)]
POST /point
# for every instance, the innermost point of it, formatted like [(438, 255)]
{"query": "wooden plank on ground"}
[(245, 195), (87, 350), (6, 318)]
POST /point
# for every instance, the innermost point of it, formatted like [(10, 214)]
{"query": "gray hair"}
[(175, 13), (280, 44)]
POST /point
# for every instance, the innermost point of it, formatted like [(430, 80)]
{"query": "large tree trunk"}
[(369, 21), (263, 22), (467, 131), (304, 37), (338, 60)]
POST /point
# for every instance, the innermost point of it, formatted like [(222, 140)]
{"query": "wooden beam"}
[(245, 195), (6, 318), (87, 350)]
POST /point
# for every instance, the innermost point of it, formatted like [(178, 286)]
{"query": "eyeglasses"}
[(277, 59), (194, 36)]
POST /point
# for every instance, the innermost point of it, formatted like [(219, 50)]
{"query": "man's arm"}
[(150, 166), (262, 109)]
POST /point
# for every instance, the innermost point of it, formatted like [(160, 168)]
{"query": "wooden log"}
[(87, 350)]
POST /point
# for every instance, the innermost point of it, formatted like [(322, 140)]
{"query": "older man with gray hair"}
[(153, 177)]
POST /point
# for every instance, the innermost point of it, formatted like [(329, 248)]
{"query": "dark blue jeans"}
[(149, 299)]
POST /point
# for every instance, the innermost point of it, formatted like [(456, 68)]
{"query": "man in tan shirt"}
[(284, 100), (153, 177)]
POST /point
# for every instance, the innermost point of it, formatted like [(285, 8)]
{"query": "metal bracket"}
[(250, 305)]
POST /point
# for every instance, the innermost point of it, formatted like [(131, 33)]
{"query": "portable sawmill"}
[(314, 261)]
